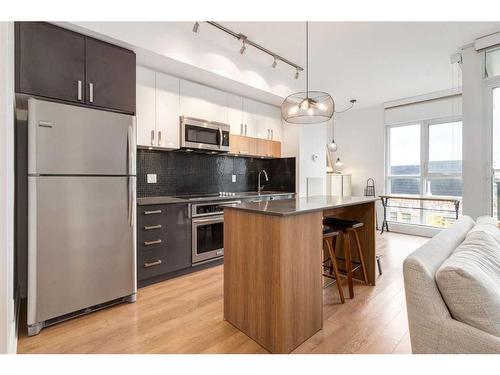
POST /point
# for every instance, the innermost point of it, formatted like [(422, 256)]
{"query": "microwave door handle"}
[(220, 138)]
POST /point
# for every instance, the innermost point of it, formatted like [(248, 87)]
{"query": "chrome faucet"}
[(259, 188)]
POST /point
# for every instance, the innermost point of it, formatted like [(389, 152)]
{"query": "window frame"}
[(424, 154), (424, 175)]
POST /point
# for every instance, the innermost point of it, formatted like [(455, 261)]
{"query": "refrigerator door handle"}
[(131, 201), (91, 92), (130, 140)]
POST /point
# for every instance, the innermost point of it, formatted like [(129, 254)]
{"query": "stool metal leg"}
[(379, 265)]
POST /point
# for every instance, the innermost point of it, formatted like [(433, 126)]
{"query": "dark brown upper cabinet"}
[(50, 61), (60, 64), (110, 76)]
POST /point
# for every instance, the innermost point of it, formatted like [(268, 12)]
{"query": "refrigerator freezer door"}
[(65, 139), (81, 243)]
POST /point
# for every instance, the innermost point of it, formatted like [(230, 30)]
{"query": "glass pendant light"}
[(332, 146), (308, 107)]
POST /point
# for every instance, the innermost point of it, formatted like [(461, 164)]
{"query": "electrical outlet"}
[(151, 178), (233, 178)]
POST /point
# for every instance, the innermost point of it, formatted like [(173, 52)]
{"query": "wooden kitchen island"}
[(273, 265)]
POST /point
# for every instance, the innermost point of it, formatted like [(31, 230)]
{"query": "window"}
[(425, 159), (492, 63), (404, 159), (444, 175)]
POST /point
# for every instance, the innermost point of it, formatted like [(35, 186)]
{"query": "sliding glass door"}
[(495, 162)]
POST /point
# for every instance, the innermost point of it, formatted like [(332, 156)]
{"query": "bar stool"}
[(347, 227), (328, 239)]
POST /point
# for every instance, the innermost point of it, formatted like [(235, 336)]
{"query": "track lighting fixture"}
[(275, 62), (245, 41)]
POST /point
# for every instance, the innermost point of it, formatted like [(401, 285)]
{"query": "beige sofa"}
[(433, 329)]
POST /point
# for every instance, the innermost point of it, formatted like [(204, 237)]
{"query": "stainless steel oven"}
[(199, 134), (207, 230)]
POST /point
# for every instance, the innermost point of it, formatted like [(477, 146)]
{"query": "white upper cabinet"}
[(162, 99), (157, 109), (202, 102), (250, 117), (145, 107), (235, 114), (167, 111), (269, 122)]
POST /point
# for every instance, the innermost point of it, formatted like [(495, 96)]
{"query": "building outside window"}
[(424, 159)]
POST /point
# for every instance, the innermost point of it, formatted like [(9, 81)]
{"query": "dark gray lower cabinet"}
[(163, 240)]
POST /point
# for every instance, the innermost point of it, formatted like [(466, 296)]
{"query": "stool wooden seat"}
[(328, 239), (346, 228)]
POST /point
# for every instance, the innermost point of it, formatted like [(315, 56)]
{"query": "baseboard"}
[(414, 230)]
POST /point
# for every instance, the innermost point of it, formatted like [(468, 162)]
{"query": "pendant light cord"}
[(307, 59)]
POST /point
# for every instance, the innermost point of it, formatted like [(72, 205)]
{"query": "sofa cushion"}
[(469, 281), (489, 225)]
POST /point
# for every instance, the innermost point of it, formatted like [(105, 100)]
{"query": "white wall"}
[(302, 142), (360, 136), (7, 322)]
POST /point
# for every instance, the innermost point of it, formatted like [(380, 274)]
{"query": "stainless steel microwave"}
[(199, 134)]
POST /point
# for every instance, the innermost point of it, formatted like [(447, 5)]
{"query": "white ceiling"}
[(373, 62)]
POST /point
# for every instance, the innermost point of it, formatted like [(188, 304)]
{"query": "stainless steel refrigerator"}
[(81, 211)]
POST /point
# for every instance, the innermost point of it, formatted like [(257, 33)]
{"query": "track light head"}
[(297, 74), (275, 62), (196, 27)]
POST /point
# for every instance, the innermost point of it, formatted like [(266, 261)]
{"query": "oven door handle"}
[(209, 221)]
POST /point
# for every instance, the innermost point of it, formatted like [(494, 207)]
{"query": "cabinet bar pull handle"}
[(246, 129), (152, 264), (152, 137), (268, 134), (149, 243), (79, 92), (241, 129), (159, 138), (152, 212), (272, 133), (149, 227), (91, 92)]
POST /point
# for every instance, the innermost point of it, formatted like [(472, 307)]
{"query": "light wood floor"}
[(185, 315)]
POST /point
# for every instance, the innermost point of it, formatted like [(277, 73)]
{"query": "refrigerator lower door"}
[(81, 243)]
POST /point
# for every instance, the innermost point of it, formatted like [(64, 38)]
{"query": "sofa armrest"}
[(458, 337)]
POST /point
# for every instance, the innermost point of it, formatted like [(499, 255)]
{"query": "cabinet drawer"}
[(151, 216), (150, 240), (154, 262)]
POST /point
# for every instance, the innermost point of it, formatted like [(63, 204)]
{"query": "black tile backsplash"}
[(180, 173)]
